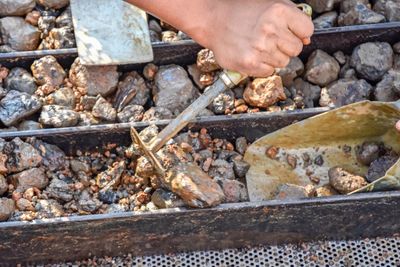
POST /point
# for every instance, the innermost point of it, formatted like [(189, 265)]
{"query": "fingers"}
[(277, 58), (289, 44), (263, 70), (398, 126), (301, 25)]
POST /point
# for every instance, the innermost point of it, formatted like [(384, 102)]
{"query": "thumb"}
[(398, 126)]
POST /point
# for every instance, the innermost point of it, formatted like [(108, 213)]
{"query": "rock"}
[(325, 191), (380, 166), (392, 10), (53, 4), (65, 19), (199, 190), (46, 23), (53, 156), (222, 169), (3, 185), (58, 116), (372, 60), (16, 106), (49, 208), (165, 199), (174, 90), (195, 73), (21, 80), (24, 205), (21, 156), (157, 113), (360, 14), (149, 133), (241, 145), (326, 20), (309, 92), (388, 88), (206, 61), (396, 63), (347, 5), (34, 177), (88, 203), (240, 168), (6, 49), (344, 92), (150, 71), (104, 110), (321, 68), (112, 174), (7, 207), (322, 6), (96, 80), (344, 181), (16, 7), (63, 97), (291, 71), (88, 102), (223, 103), (340, 57), (169, 36), (28, 125), (396, 48), (368, 152), (61, 38), (87, 119), (264, 92), (18, 34), (46, 70), (155, 26), (60, 190), (117, 208), (291, 191), (108, 196), (131, 113), (132, 90), (234, 191), (79, 166)]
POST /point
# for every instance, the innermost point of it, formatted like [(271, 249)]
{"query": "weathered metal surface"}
[(227, 226), (110, 32), (324, 135)]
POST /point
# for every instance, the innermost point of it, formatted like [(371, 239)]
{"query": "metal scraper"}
[(110, 32)]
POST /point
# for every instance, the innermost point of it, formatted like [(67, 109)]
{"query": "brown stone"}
[(264, 92), (35, 177)]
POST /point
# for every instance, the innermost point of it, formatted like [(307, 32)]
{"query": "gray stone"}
[(49, 208), (87, 119), (380, 166), (195, 73), (18, 34), (392, 9), (380, 7), (241, 145), (53, 157), (340, 57), (35, 177), (88, 102), (347, 5), (294, 69), (291, 191), (165, 199), (388, 89), (61, 38), (116, 208), (65, 19), (157, 113), (240, 168), (234, 191), (58, 116), (222, 169), (223, 102), (103, 110), (16, 7), (88, 203), (174, 90), (78, 165), (132, 90), (63, 97), (3, 185), (21, 80), (60, 190), (360, 14), (396, 62), (46, 70), (7, 208), (28, 125), (309, 92), (97, 80), (21, 156), (53, 4), (372, 60), (16, 106), (321, 68), (131, 113), (396, 48), (46, 23), (6, 49), (326, 20), (344, 92)]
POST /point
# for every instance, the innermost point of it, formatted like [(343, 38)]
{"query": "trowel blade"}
[(111, 32)]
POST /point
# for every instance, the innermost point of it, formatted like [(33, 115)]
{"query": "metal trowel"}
[(110, 32), (329, 140)]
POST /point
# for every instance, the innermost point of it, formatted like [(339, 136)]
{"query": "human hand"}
[(255, 37)]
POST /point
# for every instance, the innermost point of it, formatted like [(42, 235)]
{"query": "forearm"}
[(189, 16)]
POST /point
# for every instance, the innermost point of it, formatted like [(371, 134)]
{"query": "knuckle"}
[(269, 29), (249, 62), (278, 8), (282, 62)]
